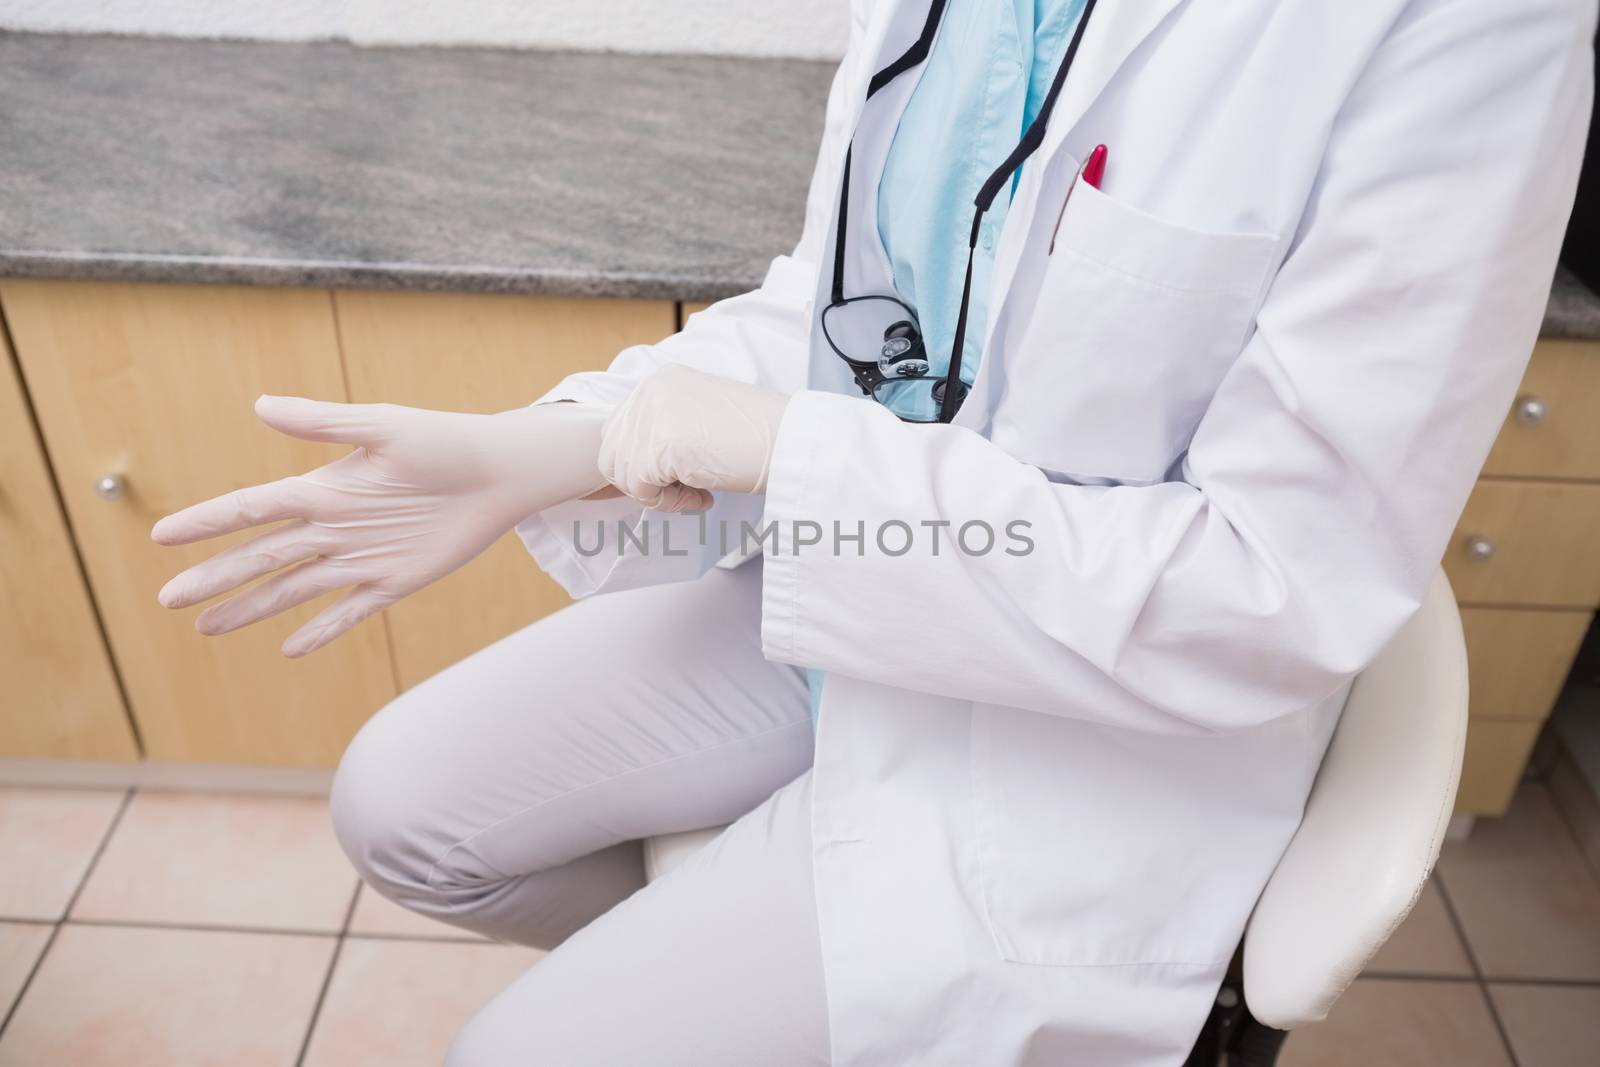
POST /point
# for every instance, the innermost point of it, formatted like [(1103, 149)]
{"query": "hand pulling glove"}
[(682, 433), (423, 493)]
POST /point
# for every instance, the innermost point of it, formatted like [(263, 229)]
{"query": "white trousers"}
[(509, 793)]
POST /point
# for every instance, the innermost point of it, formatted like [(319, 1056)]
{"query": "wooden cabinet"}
[(478, 353), (60, 695), (1525, 565), (152, 385), (148, 388)]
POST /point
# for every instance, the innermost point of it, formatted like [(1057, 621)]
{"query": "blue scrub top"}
[(986, 79)]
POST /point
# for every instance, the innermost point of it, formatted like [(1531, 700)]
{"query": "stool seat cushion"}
[(663, 853)]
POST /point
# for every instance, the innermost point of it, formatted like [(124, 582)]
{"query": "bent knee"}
[(382, 807)]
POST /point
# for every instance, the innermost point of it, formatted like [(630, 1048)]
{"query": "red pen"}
[(1092, 173)]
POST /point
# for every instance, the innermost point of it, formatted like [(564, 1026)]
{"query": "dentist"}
[(1231, 380)]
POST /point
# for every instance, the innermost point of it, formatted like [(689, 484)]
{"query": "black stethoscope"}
[(901, 357)]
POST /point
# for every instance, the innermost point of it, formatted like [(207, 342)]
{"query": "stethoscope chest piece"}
[(903, 354)]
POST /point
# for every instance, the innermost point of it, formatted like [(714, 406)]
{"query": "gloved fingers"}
[(331, 622), (622, 460), (246, 562), (326, 420), (678, 497), (286, 498), (290, 589), (658, 491)]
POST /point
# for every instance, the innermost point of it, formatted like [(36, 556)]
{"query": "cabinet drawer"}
[(1527, 543), (1551, 431), (1518, 659), (1497, 752)]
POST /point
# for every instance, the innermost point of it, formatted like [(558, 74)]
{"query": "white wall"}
[(806, 28)]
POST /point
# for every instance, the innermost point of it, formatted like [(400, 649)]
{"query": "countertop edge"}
[(326, 274), (1573, 315)]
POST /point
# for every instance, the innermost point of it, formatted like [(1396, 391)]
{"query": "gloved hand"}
[(682, 433), (423, 493)]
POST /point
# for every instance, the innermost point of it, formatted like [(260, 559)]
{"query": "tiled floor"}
[(182, 930), (172, 930)]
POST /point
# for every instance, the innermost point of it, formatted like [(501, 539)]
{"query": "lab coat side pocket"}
[(1135, 323), (1098, 846)]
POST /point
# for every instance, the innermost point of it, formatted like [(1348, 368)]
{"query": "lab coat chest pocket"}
[(1134, 325)]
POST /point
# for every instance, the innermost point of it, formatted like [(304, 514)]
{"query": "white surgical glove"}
[(682, 433), (423, 493)]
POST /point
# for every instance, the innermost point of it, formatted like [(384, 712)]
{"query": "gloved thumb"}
[(325, 420)]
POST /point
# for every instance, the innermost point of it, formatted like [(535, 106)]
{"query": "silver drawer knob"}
[(1480, 549), (110, 486), (1531, 410)]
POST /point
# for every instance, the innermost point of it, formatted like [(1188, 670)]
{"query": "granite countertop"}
[(658, 177)]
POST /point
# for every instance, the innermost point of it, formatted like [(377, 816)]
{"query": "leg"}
[(718, 964), (508, 793)]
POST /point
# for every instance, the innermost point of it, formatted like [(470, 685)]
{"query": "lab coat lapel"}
[(891, 27), (1114, 31)]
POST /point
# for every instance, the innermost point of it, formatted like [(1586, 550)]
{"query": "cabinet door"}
[(467, 352), (153, 384), (60, 697)]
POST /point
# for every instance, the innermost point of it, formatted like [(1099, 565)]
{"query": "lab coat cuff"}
[(604, 546), (551, 537)]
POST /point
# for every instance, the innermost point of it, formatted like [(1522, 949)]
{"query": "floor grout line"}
[(203, 928), (1488, 979), (383, 935), (72, 901), (350, 909), (438, 939), (1499, 1024), (22, 990), (1477, 969), (100, 850), (1575, 983), (327, 978)]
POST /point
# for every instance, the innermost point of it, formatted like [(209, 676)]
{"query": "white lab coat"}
[(1241, 404)]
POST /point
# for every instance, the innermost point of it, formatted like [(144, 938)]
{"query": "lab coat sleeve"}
[(760, 337), (1323, 482)]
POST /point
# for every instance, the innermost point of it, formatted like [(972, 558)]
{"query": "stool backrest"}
[(1373, 823)]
